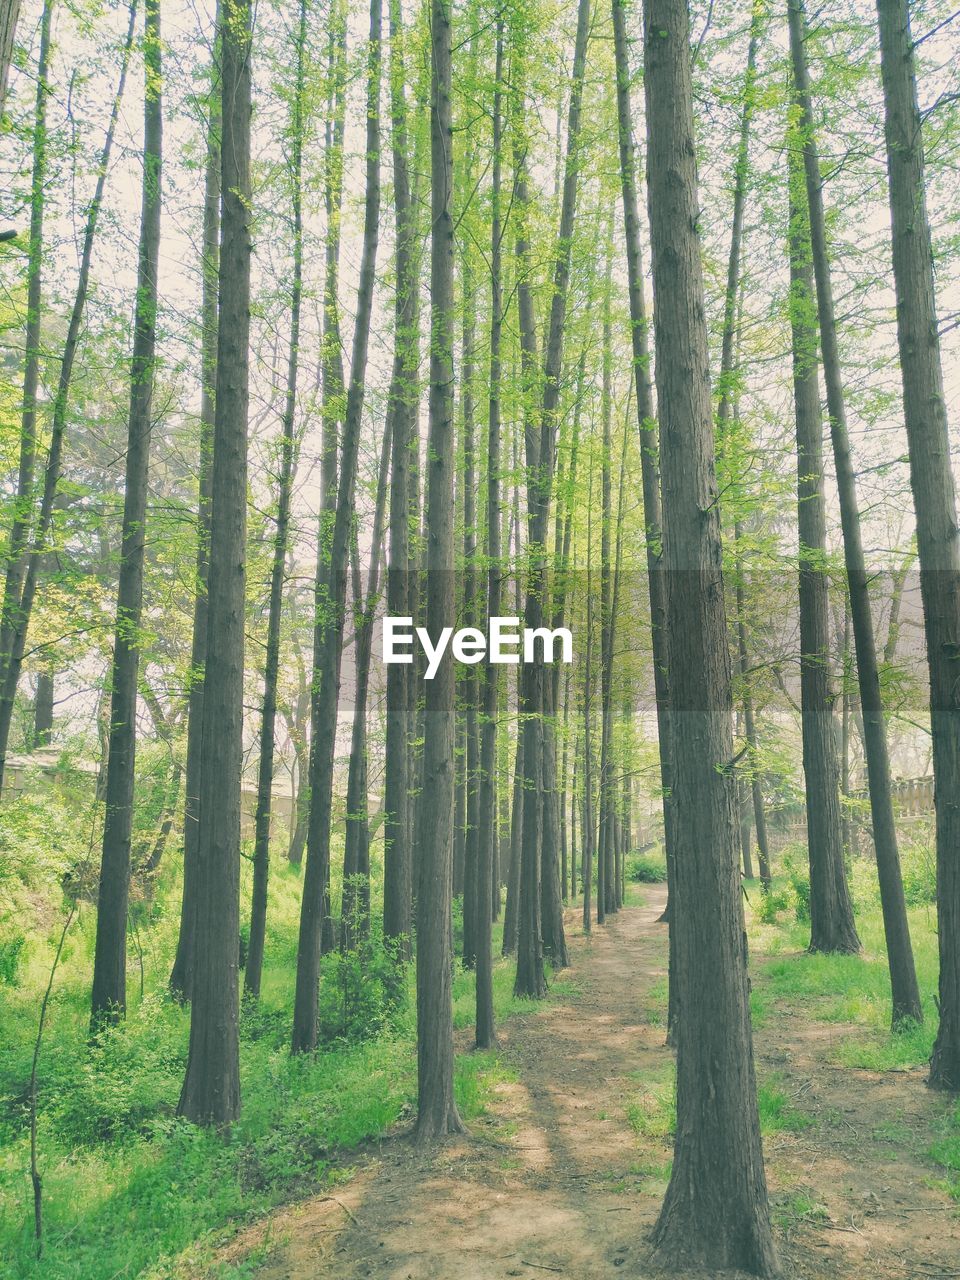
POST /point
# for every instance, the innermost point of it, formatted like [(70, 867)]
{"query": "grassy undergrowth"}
[(127, 1187)]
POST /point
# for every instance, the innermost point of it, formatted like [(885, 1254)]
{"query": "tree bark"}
[(397, 855), (934, 497), (331, 594), (253, 970), (436, 1109), (485, 1036), (841, 933), (181, 975), (9, 15), (715, 1214), (211, 1089), (109, 991)]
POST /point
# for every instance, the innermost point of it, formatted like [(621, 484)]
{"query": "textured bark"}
[(397, 881), (485, 1036), (271, 668), (436, 1109), (933, 494), (17, 609), (211, 1089), (470, 681), (109, 991), (182, 973), (647, 425), (536, 855), (355, 905), (820, 763), (839, 933), (715, 1214), (605, 887), (331, 594)]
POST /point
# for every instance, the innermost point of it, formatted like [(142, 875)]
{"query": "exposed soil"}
[(554, 1180)]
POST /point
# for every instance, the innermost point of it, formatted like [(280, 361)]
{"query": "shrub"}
[(361, 991), (645, 868), (10, 959)]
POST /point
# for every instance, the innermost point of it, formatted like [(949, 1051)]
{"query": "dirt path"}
[(555, 1180)]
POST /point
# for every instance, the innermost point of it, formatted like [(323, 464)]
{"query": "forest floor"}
[(565, 1171)]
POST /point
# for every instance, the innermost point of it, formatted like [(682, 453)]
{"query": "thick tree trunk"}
[(842, 933), (331, 595), (253, 970), (181, 975), (715, 1214), (436, 1109), (18, 606), (211, 1089), (109, 993), (933, 495)]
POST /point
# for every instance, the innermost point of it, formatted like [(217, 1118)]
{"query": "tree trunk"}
[(933, 495), (109, 992), (820, 764), (397, 867), (331, 595), (211, 1089), (535, 855), (715, 1214), (181, 975), (490, 685), (355, 906), (261, 841), (436, 1109), (43, 702), (906, 1000)]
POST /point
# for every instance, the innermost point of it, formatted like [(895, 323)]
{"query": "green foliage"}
[(361, 991), (645, 868), (777, 1111), (10, 949), (946, 1150)]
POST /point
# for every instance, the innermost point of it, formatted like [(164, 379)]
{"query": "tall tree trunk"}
[(261, 841), (820, 763), (470, 680), (490, 684), (211, 1089), (355, 906), (715, 1213), (109, 993), (605, 893), (436, 1109), (18, 606), (933, 495), (181, 975), (589, 826), (397, 872), (538, 861), (649, 438), (331, 594), (842, 935), (749, 721)]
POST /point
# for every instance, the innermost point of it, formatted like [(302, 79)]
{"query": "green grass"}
[(946, 1151), (777, 1111), (128, 1189), (847, 990)]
